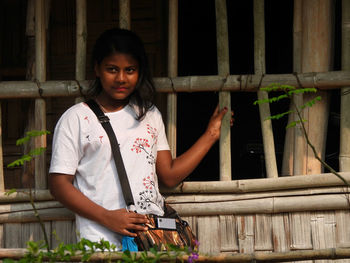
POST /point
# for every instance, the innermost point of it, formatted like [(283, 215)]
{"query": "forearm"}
[(64, 192), (178, 169)]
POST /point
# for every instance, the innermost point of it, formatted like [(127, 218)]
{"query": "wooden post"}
[(2, 181), (28, 176), (81, 37), (299, 139), (40, 105), (259, 67), (289, 142), (344, 155), (224, 96), (296, 137), (172, 72), (124, 14), (316, 45)]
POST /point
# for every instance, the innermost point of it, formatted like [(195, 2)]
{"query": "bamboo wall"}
[(233, 216)]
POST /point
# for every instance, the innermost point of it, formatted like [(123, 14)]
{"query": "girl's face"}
[(118, 74)]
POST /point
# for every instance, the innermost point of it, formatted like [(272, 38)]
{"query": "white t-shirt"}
[(81, 147)]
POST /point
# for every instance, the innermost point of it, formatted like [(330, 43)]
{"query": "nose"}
[(121, 76)]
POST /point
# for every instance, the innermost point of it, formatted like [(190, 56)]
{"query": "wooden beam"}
[(264, 109), (172, 72), (81, 40), (124, 14), (2, 179), (223, 58), (40, 105), (81, 43), (259, 185), (344, 154), (317, 51), (235, 83)]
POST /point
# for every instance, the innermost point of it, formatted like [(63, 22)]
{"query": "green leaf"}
[(278, 116), (294, 123), (311, 102), (10, 192), (31, 134)]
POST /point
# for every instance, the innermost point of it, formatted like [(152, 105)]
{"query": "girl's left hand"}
[(214, 126)]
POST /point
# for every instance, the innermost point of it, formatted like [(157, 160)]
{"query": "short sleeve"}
[(162, 144), (65, 146)]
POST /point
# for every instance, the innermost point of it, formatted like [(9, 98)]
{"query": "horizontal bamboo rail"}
[(260, 185), (269, 205), (234, 83), (232, 187), (287, 201), (299, 255)]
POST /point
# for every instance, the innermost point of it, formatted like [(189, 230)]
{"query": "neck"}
[(110, 105)]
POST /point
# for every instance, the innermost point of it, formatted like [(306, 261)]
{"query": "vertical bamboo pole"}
[(28, 175), (81, 36), (344, 155), (2, 179), (316, 50), (299, 165), (300, 235), (259, 67), (124, 14), (291, 134), (172, 72), (223, 58), (40, 105)]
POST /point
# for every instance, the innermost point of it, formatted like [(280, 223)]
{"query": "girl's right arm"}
[(120, 220)]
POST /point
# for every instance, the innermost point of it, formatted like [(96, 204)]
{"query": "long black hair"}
[(124, 41)]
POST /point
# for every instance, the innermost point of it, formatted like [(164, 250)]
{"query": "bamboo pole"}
[(21, 207), (264, 109), (299, 165), (259, 185), (298, 255), (49, 214), (344, 155), (40, 105), (172, 72), (81, 42), (236, 190), (223, 58), (291, 134), (28, 174), (269, 205), (22, 196), (53, 210), (2, 179), (235, 83), (224, 197), (316, 43), (124, 14)]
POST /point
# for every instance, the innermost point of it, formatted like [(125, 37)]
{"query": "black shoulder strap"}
[(123, 178)]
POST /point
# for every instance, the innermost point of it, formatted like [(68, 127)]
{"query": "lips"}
[(120, 88)]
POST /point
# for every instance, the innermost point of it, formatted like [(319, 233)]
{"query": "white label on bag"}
[(166, 223)]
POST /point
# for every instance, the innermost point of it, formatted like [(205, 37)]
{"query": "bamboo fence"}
[(206, 205)]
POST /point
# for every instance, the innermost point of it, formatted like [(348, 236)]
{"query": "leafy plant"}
[(32, 153), (288, 92), (85, 249), (19, 162)]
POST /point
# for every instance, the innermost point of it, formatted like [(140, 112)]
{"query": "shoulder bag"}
[(162, 231)]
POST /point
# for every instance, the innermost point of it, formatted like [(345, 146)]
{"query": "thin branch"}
[(314, 149)]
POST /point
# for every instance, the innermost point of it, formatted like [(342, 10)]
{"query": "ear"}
[(97, 70)]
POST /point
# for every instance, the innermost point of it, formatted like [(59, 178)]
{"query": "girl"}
[(83, 176)]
